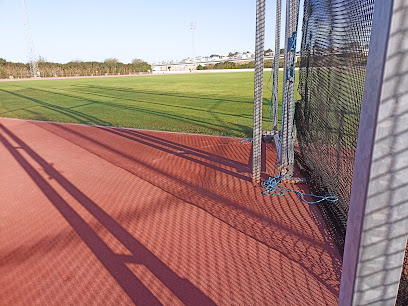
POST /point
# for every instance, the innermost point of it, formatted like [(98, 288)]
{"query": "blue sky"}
[(151, 30)]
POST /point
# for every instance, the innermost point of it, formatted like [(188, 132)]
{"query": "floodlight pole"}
[(377, 225), (193, 26), (258, 91), (33, 63)]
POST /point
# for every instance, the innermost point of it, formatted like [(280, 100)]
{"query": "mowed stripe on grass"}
[(215, 104)]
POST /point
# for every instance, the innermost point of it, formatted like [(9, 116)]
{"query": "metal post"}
[(378, 217), (276, 63), (33, 62), (258, 91), (193, 26), (275, 92), (286, 145)]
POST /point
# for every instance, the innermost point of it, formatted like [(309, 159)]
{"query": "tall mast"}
[(32, 58)]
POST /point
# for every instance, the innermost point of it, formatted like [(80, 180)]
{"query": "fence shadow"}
[(114, 263), (206, 174), (163, 161)]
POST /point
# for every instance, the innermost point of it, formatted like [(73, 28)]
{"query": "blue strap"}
[(273, 187), (246, 141)]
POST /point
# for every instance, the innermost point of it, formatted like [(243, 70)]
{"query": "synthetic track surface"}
[(95, 215)]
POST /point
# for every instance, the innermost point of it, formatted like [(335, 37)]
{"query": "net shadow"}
[(170, 210)]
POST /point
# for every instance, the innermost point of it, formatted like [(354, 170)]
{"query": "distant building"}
[(190, 64), (172, 67)]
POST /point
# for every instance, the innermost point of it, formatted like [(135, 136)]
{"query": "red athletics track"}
[(105, 216)]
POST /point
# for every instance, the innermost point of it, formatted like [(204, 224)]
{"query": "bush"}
[(77, 68), (225, 65), (3, 73)]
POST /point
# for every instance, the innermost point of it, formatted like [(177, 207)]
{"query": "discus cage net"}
[(334, 50)]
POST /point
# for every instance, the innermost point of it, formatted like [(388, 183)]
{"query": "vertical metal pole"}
[(377, 225), (286, 91), (276, 137), (258, 91), (286, 156), (33, 63), (276, 63), (193, 26)]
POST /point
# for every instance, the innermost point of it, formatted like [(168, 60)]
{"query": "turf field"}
[(216, 104)]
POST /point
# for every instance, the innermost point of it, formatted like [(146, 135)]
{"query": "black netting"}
[(336, 36)]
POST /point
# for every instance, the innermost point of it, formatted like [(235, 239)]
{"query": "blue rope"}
[(272, 185), (273, 188), (247, 141), (290, 72)]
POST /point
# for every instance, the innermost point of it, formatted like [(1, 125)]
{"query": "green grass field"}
[(216, 104)]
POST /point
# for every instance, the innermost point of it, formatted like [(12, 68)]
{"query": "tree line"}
[(241, 65), (110, 66)]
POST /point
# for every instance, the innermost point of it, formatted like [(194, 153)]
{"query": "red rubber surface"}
[(94, 215)]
